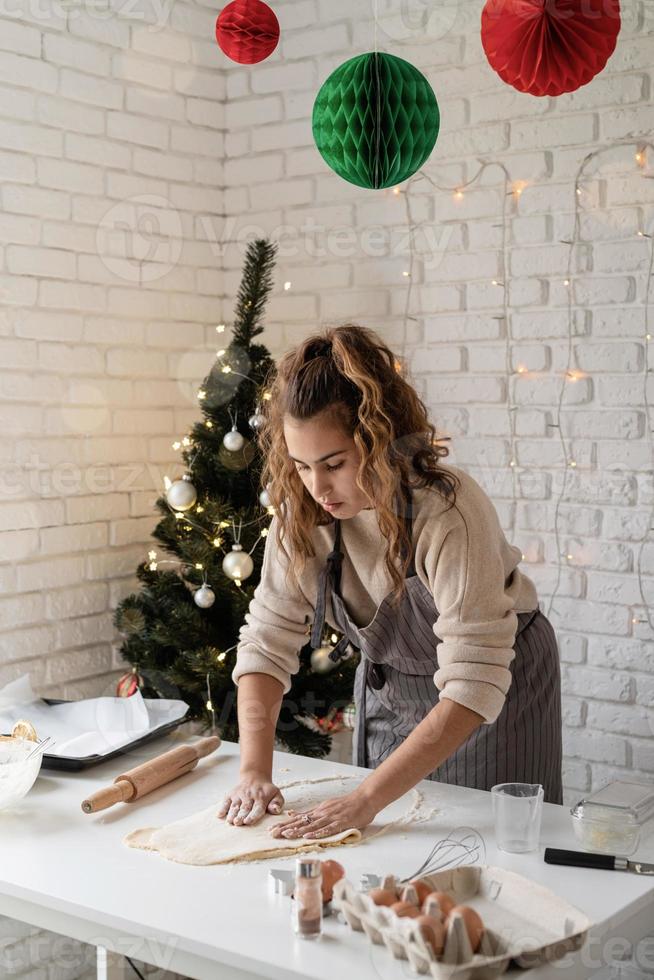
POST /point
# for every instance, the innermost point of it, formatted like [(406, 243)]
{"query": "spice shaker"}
[(307, 907)]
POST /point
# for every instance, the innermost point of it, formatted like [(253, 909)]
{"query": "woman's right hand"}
[(252, 797)]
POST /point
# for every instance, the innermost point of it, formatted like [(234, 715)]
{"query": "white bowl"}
[(17, 772)]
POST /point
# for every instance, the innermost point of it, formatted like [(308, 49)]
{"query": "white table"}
[(64, 870)]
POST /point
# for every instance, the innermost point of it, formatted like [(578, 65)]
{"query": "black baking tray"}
[(74, 764)]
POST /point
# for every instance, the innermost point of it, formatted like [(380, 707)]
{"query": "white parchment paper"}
[(93, 726)]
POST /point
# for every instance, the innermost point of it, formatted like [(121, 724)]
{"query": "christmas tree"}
[(181, 629)]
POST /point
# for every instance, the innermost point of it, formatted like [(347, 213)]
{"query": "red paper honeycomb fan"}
[(247, 31), (547, 47)]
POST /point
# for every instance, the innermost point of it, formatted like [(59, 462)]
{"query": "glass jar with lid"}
[(610, 820)]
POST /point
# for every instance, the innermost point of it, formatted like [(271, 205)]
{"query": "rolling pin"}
[(135, 783)]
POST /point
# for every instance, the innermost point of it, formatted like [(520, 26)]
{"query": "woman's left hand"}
[(330, 817)]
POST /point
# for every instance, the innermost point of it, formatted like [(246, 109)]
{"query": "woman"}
[(397, 550)]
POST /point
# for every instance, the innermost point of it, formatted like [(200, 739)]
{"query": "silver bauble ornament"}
[(256, 421), (350, 716), (204, 597), (320, 662), (238, 564), (233, 440), (264, 498), (181, 495)]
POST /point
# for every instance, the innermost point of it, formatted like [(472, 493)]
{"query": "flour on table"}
[(204, 838)]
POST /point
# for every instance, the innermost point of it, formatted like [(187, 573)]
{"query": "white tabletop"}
[(68, 871)]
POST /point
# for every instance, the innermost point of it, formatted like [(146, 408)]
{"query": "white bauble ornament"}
[(320, 662), (204, 597), (181, 495), (264, 498), (233, 440), (256, 421), (238, 564)]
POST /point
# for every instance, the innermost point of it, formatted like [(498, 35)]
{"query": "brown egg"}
[(473, 923), (382, 896), (422, 888), (332, 872), (442, 900), (433, 932), (404, 909)]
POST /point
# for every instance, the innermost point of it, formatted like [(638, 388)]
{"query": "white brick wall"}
[(107, 115), (96, 109)]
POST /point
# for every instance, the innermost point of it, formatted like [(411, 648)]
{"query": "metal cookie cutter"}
[(281, 880)]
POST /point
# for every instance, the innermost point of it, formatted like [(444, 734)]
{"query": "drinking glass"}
[(517, 808)]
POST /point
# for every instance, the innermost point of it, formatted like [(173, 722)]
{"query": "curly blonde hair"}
[(349, 373)]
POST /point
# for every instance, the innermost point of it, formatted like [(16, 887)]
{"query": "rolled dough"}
[(204, 838)]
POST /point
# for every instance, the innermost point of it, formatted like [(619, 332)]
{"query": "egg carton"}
[(524, 922)]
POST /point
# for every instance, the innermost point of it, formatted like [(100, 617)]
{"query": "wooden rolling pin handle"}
[(130, 786), (206, 746), (120, 792)]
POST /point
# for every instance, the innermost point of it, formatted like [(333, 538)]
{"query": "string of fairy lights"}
[(512, 190), (572, 373), (188, 502)]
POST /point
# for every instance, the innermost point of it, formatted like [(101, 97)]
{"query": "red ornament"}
[(247, 31), (547, 47), (129, 684)]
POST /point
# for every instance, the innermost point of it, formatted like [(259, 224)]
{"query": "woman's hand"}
[(252, 797), (329, 817)]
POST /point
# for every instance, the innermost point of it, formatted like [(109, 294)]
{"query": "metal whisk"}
[(463, 846)]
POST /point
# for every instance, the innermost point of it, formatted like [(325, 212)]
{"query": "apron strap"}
[(331, 570)]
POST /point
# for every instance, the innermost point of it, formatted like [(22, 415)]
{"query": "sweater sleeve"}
[(275, 627), (477, 624)]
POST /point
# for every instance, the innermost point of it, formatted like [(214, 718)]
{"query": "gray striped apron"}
[(394, 687)]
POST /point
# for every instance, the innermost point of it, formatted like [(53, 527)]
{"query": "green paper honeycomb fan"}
[(375, 120)]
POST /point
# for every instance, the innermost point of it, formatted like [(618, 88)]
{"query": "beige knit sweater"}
[(463, 558)]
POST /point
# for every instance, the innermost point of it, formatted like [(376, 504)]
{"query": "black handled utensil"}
[(605, 862)]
